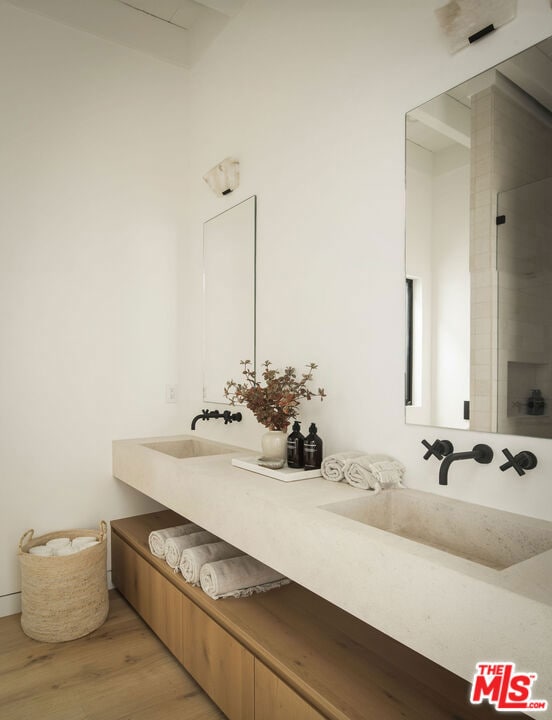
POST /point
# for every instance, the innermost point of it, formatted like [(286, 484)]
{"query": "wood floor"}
[(119, 672)]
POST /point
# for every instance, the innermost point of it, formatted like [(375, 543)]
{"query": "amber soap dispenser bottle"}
[(313, 449)]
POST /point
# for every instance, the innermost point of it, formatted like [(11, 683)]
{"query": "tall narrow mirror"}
[(228, 296), (478, 251)]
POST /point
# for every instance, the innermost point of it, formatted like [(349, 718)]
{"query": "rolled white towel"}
[(82, 540), (85, 546), (65, 550), (333, 465), (359, 471), (193, 559), (238, 577), (388, 474), (56, 543), (157, 538), (175, 546), (41, 550)]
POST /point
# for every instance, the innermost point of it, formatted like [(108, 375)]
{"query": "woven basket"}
[(63, 598)]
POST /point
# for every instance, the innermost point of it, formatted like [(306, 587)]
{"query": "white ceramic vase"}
[(274, 445)]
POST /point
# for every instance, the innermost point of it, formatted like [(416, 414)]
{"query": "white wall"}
[(96, 173), (312, 102), (91, 191), (451, 287), (437, 256), (418, 264)]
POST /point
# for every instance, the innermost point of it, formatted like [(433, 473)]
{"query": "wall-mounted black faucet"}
[(216, 414), (440, 448), (524, 460), (480, 453)]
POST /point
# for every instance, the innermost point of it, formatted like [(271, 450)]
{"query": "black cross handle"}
[(439, 449), (524, 460)]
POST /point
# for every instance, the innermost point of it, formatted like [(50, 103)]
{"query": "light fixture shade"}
[(224, 177), (464, 21)]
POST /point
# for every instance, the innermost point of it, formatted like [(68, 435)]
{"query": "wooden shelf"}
[(342, 667)]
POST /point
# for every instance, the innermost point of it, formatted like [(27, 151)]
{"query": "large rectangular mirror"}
[(228, 296), (479, 252)]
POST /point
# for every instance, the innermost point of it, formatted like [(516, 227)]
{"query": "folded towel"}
[(333, 465), (157, 538), (238, 577), (193, 559), (372, 472), (175, 546)]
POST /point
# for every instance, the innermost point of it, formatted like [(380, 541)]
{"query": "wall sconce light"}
[(224, 177), (465, 21)]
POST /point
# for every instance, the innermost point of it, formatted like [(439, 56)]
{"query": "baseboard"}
[(11, 604)]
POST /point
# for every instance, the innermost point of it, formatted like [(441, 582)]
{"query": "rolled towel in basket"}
[(373, 472), (238, 577), (41, 551), (157, 538), (83, 540), (193, 559), (333, 465), (176, 545), (57, 543)]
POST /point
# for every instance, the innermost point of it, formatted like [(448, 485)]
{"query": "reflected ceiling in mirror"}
[(479, 252)]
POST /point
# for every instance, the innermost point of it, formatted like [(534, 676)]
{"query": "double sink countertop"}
[(457, 611)]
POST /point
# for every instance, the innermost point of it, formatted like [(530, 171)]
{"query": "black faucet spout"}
[(481, 454), (204, 415)]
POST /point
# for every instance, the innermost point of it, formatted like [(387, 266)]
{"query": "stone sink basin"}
[(489, 537), (189, 447)]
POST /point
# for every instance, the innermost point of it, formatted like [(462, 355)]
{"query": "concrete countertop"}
[(452, 610)]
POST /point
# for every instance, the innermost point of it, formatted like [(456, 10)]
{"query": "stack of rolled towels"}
[(365, 471), (219, 568), (61, 546)]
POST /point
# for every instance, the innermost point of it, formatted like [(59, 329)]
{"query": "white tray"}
[(285, 474)]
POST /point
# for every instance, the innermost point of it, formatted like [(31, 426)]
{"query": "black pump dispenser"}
[(313, 449), (295, 447), (536, 403)]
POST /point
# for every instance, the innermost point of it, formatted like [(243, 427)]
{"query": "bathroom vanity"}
[(379, 598), (286, 654)]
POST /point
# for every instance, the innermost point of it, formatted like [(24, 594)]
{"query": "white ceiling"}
[(177, 31), (530, 70)]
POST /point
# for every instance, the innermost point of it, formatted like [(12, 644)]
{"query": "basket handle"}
[(103, 530), (24, 539)]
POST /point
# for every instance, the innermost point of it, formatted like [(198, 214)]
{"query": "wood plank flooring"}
[(119, 672)]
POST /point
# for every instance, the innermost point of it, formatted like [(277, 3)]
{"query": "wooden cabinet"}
[(158, 602), (274, 700), (219, 663), (282, 655)]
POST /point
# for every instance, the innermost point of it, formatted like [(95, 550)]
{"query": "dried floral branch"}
[(275, 403)]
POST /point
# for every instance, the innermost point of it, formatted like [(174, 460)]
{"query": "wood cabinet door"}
[(219, 663), (130, 574), (274, 700), (155, 599)]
